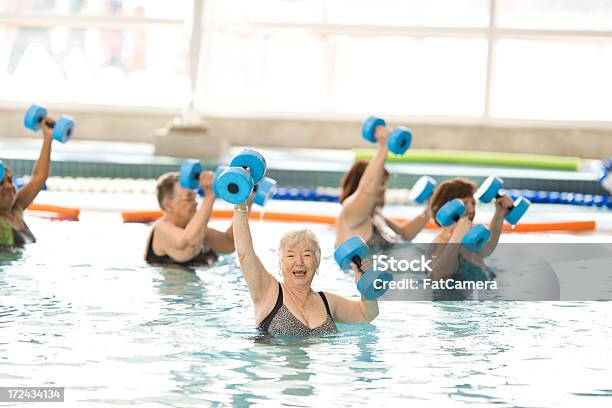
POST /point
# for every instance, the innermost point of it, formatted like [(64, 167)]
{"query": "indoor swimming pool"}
[(85, 312)]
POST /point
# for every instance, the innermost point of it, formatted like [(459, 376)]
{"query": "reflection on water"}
[(117, 331)]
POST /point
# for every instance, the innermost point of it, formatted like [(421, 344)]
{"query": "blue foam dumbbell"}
[(252, 160), (218, 172), (399, 139), (1, 171), (235, 184), (450, 212), (476, 238), (489, 190), (189, 174), (62, 128), (265, 190), (422, 189), (355, 250)]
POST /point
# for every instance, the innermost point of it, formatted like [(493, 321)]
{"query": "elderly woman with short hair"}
[(292, 307)]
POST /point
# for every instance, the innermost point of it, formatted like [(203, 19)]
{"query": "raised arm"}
[(445, 256), (182, 244), (223, 242), (260, 283), (40, 173), (359, 205)]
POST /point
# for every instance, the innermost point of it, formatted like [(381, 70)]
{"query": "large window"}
[(452, 60), (109, 52), (448, 59)]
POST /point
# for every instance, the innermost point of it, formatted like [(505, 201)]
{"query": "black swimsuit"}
[(281, 321), (206, 256)]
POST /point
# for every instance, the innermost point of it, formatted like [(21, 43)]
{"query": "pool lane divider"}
[(55, 211), (150, 216), (539, 197), (477, 158)]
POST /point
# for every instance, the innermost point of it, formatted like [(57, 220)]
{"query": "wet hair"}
[(293, 237), (350, 181), (449, 190), (166, 187)]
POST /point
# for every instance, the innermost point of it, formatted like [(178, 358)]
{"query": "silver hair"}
[(293, 237)]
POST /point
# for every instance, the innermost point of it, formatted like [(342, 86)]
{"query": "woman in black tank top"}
[(291, 307), (182, 235)]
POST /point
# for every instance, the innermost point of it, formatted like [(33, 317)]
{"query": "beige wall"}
[(127, 126)]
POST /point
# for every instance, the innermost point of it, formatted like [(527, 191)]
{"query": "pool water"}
[(83, 311)]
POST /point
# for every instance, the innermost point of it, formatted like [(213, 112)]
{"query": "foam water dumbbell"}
[(189, 174), (235, 184), (265, 190), (489, 190), (218, 172), (399, 138), (62, 128), (450, 212), (355, 250), (1, 171), (422, 189), (477, 236)]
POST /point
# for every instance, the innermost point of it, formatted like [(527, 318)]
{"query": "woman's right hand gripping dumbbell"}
[(397, 141)]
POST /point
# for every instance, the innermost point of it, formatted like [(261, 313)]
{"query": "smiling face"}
[(299, 256), (8, 192)]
